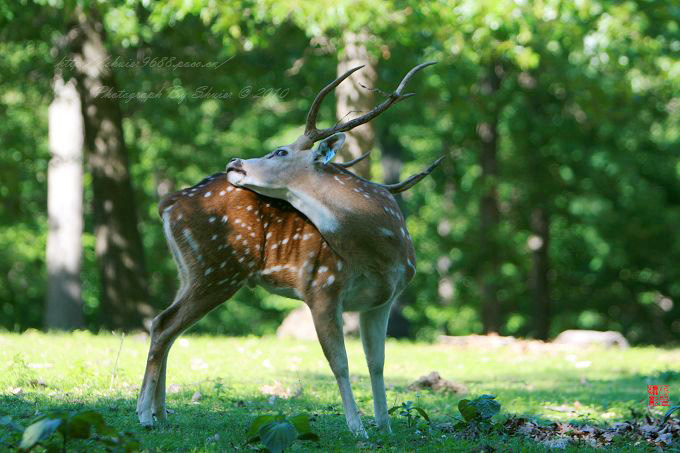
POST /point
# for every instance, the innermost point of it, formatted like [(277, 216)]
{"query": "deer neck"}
[(349, 214), (315, 206)]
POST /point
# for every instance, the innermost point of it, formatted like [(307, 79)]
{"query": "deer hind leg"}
[(373, 327), (328, 323), (165, 328), (158, 400)]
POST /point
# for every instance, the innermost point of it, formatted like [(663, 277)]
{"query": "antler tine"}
[(315, 134), (353, 161), (310, 127)]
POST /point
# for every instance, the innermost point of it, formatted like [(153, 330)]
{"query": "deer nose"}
[(235, 163)]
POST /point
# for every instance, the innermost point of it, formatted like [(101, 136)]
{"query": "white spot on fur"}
[(222, 192), (387, 233), (207, 194), (269, 234), (296, 236), (249, 208), (330, 280), (237, 221), (208, 271), (214, 237), (285, 241), (323, 269), (238, 237), (224, 219), (340, 265), (230, 188), (211, 219)]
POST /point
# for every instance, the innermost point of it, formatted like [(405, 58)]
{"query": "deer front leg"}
[(328, 323), (373, 326)]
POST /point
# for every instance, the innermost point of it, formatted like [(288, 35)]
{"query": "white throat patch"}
[(322, 217)]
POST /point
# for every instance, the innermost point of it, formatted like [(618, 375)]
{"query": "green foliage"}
[(668, 414), (411, 413), (481, 409), (586, 114), (478, 414), (81, 425), (278, 432)]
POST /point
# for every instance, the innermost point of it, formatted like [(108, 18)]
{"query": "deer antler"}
[(312, 134), (353, 161)]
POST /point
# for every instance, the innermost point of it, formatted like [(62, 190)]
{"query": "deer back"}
[(223, 237)]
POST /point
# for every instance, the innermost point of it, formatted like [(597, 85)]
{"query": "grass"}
[(43, 372)]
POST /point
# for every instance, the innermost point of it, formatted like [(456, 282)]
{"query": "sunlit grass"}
[(42, 372)]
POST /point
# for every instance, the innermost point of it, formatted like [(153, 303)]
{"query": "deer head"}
[(297, 173)]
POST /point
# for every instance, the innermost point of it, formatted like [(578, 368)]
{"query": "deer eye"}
[(281, 153)]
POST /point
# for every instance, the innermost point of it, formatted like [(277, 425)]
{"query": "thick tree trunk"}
[(540, 266), (63, 307), (354, 100), (120, 255), (488, 132)]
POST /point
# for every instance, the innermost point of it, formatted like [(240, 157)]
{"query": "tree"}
[(120, 255), (63, 306), (355, 97)]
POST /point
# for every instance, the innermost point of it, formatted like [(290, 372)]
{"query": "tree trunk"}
[(63, 306), (354, 100), (540, 266), (120, 256), (488, 132)]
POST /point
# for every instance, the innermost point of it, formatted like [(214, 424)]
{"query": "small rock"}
[(584, 338), (196, 397), (300, 326), (435, 382)]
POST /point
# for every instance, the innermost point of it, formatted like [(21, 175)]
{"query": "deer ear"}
[(328, 148)]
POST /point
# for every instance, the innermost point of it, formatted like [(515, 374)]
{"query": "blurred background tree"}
[(558, 207)]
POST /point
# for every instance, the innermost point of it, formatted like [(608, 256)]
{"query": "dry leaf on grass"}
[(558, 435)]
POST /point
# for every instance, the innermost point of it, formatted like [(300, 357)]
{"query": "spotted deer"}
[(299, 226)]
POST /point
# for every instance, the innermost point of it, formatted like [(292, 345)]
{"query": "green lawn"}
[(43, 372)]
